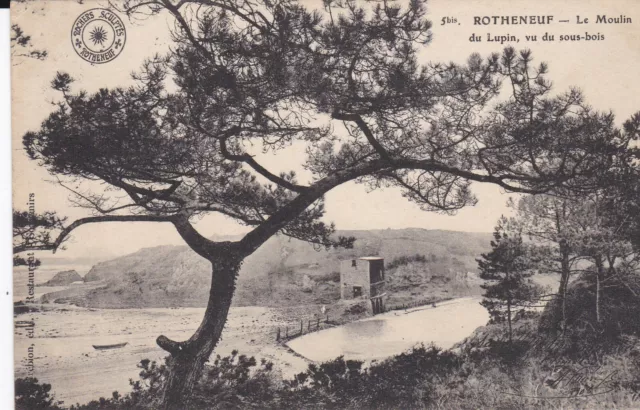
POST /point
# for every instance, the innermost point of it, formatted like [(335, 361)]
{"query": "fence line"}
[(289, 332), (305, 326)]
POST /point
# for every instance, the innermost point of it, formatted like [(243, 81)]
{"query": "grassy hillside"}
[(288, 271)]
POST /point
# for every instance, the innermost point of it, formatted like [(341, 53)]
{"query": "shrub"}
[(233, 381), (32, 395), (405, 260)]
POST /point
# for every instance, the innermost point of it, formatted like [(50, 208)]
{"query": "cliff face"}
[(64, 278), (277, 272), (143, 261)]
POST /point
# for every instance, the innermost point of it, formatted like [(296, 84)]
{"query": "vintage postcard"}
[(326, 204)]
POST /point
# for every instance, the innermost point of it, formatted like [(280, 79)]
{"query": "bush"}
[(233, 381), (241, 382), (32, 395), (405, 381), (230, 382), (620, 306), (405, 260)]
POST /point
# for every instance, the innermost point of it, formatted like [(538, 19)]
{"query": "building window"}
[(357, 291), (353, 263)]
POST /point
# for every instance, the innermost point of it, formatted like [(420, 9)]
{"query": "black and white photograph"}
[(325, 204)]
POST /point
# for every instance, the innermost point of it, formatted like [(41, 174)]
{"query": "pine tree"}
[(245, 78), (507, 267)]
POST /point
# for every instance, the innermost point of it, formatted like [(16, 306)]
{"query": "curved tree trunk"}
[(188, 358)]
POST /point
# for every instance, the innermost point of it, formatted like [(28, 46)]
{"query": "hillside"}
[(64, 278), (283, 270)]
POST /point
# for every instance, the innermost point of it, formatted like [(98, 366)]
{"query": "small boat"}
[(24, 323), (105, 347)]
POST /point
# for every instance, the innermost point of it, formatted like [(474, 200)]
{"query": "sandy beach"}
[(65, 358)]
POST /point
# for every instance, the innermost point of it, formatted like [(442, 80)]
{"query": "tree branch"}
[(249, 160), (357, 119), (92, 219), (284, 215), (201, 245)]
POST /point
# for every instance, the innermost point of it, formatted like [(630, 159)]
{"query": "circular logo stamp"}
[(98, 36)]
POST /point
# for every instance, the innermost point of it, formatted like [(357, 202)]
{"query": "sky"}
[(605, 70)]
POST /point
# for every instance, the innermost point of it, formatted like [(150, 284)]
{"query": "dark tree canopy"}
[(20, 261), (621, 193), (507, 269), (32, 231), (347, 84)]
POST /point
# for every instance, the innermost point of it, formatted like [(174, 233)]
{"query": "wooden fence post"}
[(278, 335), (287, 330), (318, 324), (309, 326), (301, 325)]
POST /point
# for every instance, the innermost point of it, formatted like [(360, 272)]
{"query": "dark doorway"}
[(357, 291), (376, 271)]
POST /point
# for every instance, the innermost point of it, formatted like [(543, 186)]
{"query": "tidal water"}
[(394, 332)]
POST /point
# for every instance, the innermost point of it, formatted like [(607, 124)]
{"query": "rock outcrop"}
[(64, 278)]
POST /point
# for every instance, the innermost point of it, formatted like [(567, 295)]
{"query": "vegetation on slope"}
[(286, 271)]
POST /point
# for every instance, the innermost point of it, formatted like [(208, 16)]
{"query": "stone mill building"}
[(363, 278)]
